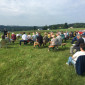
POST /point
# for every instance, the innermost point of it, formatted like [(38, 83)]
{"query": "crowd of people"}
[(54, 39)]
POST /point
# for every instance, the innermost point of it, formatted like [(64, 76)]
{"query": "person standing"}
[(5, 32)]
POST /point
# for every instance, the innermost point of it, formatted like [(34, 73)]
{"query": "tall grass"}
[(25, 65)]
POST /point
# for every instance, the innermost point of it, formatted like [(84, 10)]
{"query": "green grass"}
[(25, 65)]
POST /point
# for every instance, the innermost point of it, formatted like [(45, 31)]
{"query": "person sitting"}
[(13, 37), (53, 42), (52, 34), (73, 59), (77, 45), (34, 37), (29, 36), (24, 38), (45, 39), (74, 39), (40, 39), (37, 34), (49, 36), (59, 39), (62, 35)]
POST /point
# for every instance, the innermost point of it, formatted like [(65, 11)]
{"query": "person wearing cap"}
[(77, 45)]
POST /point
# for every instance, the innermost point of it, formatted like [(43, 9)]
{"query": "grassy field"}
[(25, 65)]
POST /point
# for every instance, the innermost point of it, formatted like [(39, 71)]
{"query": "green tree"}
[(65, 25), (45, 27)]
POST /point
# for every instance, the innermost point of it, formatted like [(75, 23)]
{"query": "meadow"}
[(25, 65)]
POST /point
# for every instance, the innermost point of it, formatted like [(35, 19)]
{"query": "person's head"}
[(57, 34), (23, 32), (82, 47), (28, 33), (45, 33), (48, 32), (53, 36), (78, 36), (61, 32), (33, 33), (51, 33), (39, 34), (12, 33)]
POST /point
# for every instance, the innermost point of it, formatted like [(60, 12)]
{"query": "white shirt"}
[(24, 37), (17, 35), (77, 54)]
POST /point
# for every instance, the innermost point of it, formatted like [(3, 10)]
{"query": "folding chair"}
[(80, 65)]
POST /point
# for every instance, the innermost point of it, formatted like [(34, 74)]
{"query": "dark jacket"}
[(77, 45), (40, 39)]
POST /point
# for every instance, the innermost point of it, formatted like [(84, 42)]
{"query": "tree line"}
[(51, 27)]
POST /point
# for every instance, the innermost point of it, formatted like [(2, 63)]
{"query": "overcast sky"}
[(41, 12)]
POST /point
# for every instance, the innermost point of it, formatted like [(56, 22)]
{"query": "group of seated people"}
[(54, 40), (39, 39), (79, 46), (76, 46)]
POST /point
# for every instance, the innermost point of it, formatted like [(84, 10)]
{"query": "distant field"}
[(25, 65)]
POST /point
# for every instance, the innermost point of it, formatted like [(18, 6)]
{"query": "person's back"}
[(29, 36), (54, 41), (59, 40), (77, 45), (49, 36), (45, 39), (79, 41), (24, 37), (34, 37), (73, 59), (40, 39), (13, 36)]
